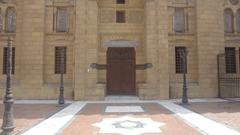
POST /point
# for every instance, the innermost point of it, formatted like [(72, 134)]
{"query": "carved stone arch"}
[(228, 20)]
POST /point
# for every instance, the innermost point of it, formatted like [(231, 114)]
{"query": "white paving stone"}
[(121, 98), (127, 109), (201, 100), (55, 123), (198, 121)]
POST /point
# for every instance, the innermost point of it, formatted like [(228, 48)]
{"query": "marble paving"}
[(133, 118), (203, 124), (127, 109)]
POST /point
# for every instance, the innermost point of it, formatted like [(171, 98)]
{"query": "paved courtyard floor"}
[(168, 123), (201, 116), (28, 115), (227, 113)]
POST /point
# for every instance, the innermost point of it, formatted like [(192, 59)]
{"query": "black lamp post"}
[(185, 87), (61, 93), (8, 125)]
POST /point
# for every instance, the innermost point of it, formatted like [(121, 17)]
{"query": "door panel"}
[(121, 72)]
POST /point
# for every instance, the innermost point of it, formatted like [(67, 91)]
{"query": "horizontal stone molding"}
[(120, 43)]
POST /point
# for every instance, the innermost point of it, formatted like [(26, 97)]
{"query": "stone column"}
[(30, 42), (156, 50), (92, 51), (80, 50), (151, 51), (210, 42), (163, 48)]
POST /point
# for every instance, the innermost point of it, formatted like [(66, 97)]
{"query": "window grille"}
[(180, 53), (120, 17), (58, 58), (120, 1), (230, 60)]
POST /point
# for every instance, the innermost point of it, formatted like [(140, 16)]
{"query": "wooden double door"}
[(121, 71)]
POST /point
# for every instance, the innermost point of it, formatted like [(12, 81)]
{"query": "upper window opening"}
[(228, 21), (238, 20), (120, 1), (179, 20), (11, 20), (120, 16), (62, 18)]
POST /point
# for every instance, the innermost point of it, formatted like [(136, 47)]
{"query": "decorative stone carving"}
[(98, 66), (144, 66), (138, 66)]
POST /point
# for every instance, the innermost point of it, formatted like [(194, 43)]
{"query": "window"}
[(238, 20), (230, 59), (11, 20), (179, 20), (228, 21), (58, 57), (5, 50), (120, 17), (179, 54), (120, 1), (62, 18), (1, 21)]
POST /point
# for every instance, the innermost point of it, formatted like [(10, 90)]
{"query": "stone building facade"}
[(155, 29)]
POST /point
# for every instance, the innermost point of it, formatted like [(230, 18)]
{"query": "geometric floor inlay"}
[(123, 109), (129, 125)]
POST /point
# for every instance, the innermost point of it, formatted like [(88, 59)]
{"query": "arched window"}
[(62, 17), (238, 20), (11, 20), (228, 21), (1, 21)]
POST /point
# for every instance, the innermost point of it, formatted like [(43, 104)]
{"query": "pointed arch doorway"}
[(121, 71)]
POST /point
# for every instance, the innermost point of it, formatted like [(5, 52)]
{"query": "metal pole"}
[(61, 95), (8, 124), (185, 87)]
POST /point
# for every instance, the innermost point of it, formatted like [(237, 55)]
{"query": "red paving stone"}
[(227, 113), (28, 115), (94, 113)]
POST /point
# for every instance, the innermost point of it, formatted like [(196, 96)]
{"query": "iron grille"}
[(229, 73), (58, 51)]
